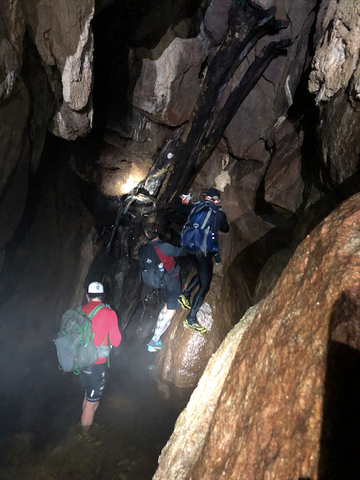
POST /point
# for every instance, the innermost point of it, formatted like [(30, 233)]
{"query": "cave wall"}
[(45, 85)]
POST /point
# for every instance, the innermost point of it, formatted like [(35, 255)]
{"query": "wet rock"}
[(270, 273), (185, 353), (274, 413)]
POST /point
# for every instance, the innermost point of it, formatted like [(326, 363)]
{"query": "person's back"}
[(171, 287), (104, 326), (202, 261), (106, 332)]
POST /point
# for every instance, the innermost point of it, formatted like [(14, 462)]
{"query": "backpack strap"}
[(95, 311), (90, 316), (210, 211), (92, 313)]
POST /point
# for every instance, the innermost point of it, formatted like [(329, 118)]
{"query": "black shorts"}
[(93, 380), (171, 292)]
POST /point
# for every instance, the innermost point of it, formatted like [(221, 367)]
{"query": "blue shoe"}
[(154, 346)]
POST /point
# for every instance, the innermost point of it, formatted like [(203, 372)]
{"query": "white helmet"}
[(95, 287)]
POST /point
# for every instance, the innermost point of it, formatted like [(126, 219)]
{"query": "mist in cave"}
[(79, 140)]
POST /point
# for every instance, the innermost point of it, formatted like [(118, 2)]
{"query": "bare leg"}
[(87, 417)]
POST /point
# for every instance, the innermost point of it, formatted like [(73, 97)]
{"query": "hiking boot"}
[(194, 326), (184, 302), (154, 346)]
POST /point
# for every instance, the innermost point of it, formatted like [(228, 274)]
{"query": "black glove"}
[(217, 258)]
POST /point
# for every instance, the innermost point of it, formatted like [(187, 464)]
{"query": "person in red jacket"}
[(106, 332)]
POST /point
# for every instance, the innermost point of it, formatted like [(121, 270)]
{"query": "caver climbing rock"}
[(158, 269), (200, 238)]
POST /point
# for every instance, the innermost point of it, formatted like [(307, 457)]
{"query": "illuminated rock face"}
[(290, 375), (334, 80), (45, 84), (168, 87)]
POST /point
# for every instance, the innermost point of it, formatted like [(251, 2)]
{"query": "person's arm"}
[(223, 223), (171, 251), (114, 332), (182, 208)]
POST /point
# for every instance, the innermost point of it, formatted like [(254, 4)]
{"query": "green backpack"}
[(74, 343)]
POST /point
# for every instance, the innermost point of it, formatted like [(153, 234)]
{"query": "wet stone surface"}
[(135, 419)]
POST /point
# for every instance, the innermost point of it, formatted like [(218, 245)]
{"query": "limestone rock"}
[(168, 87), (273, 94), (270, 273), (216, 19), (276, 414), (63, 37), (185, 354), (337, 54), (11, 33), (338, 137), (70, 124), (135, 126)]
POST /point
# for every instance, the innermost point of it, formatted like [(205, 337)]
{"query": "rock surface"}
[(283, 183), (334, 80), (184, 446), (273, 95), (337, 54), (45, 75), (265, 419), (168, 86)]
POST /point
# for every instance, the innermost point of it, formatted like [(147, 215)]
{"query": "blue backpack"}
[(198, 233)]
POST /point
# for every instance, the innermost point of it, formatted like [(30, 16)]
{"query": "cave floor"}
[(40, 421)]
